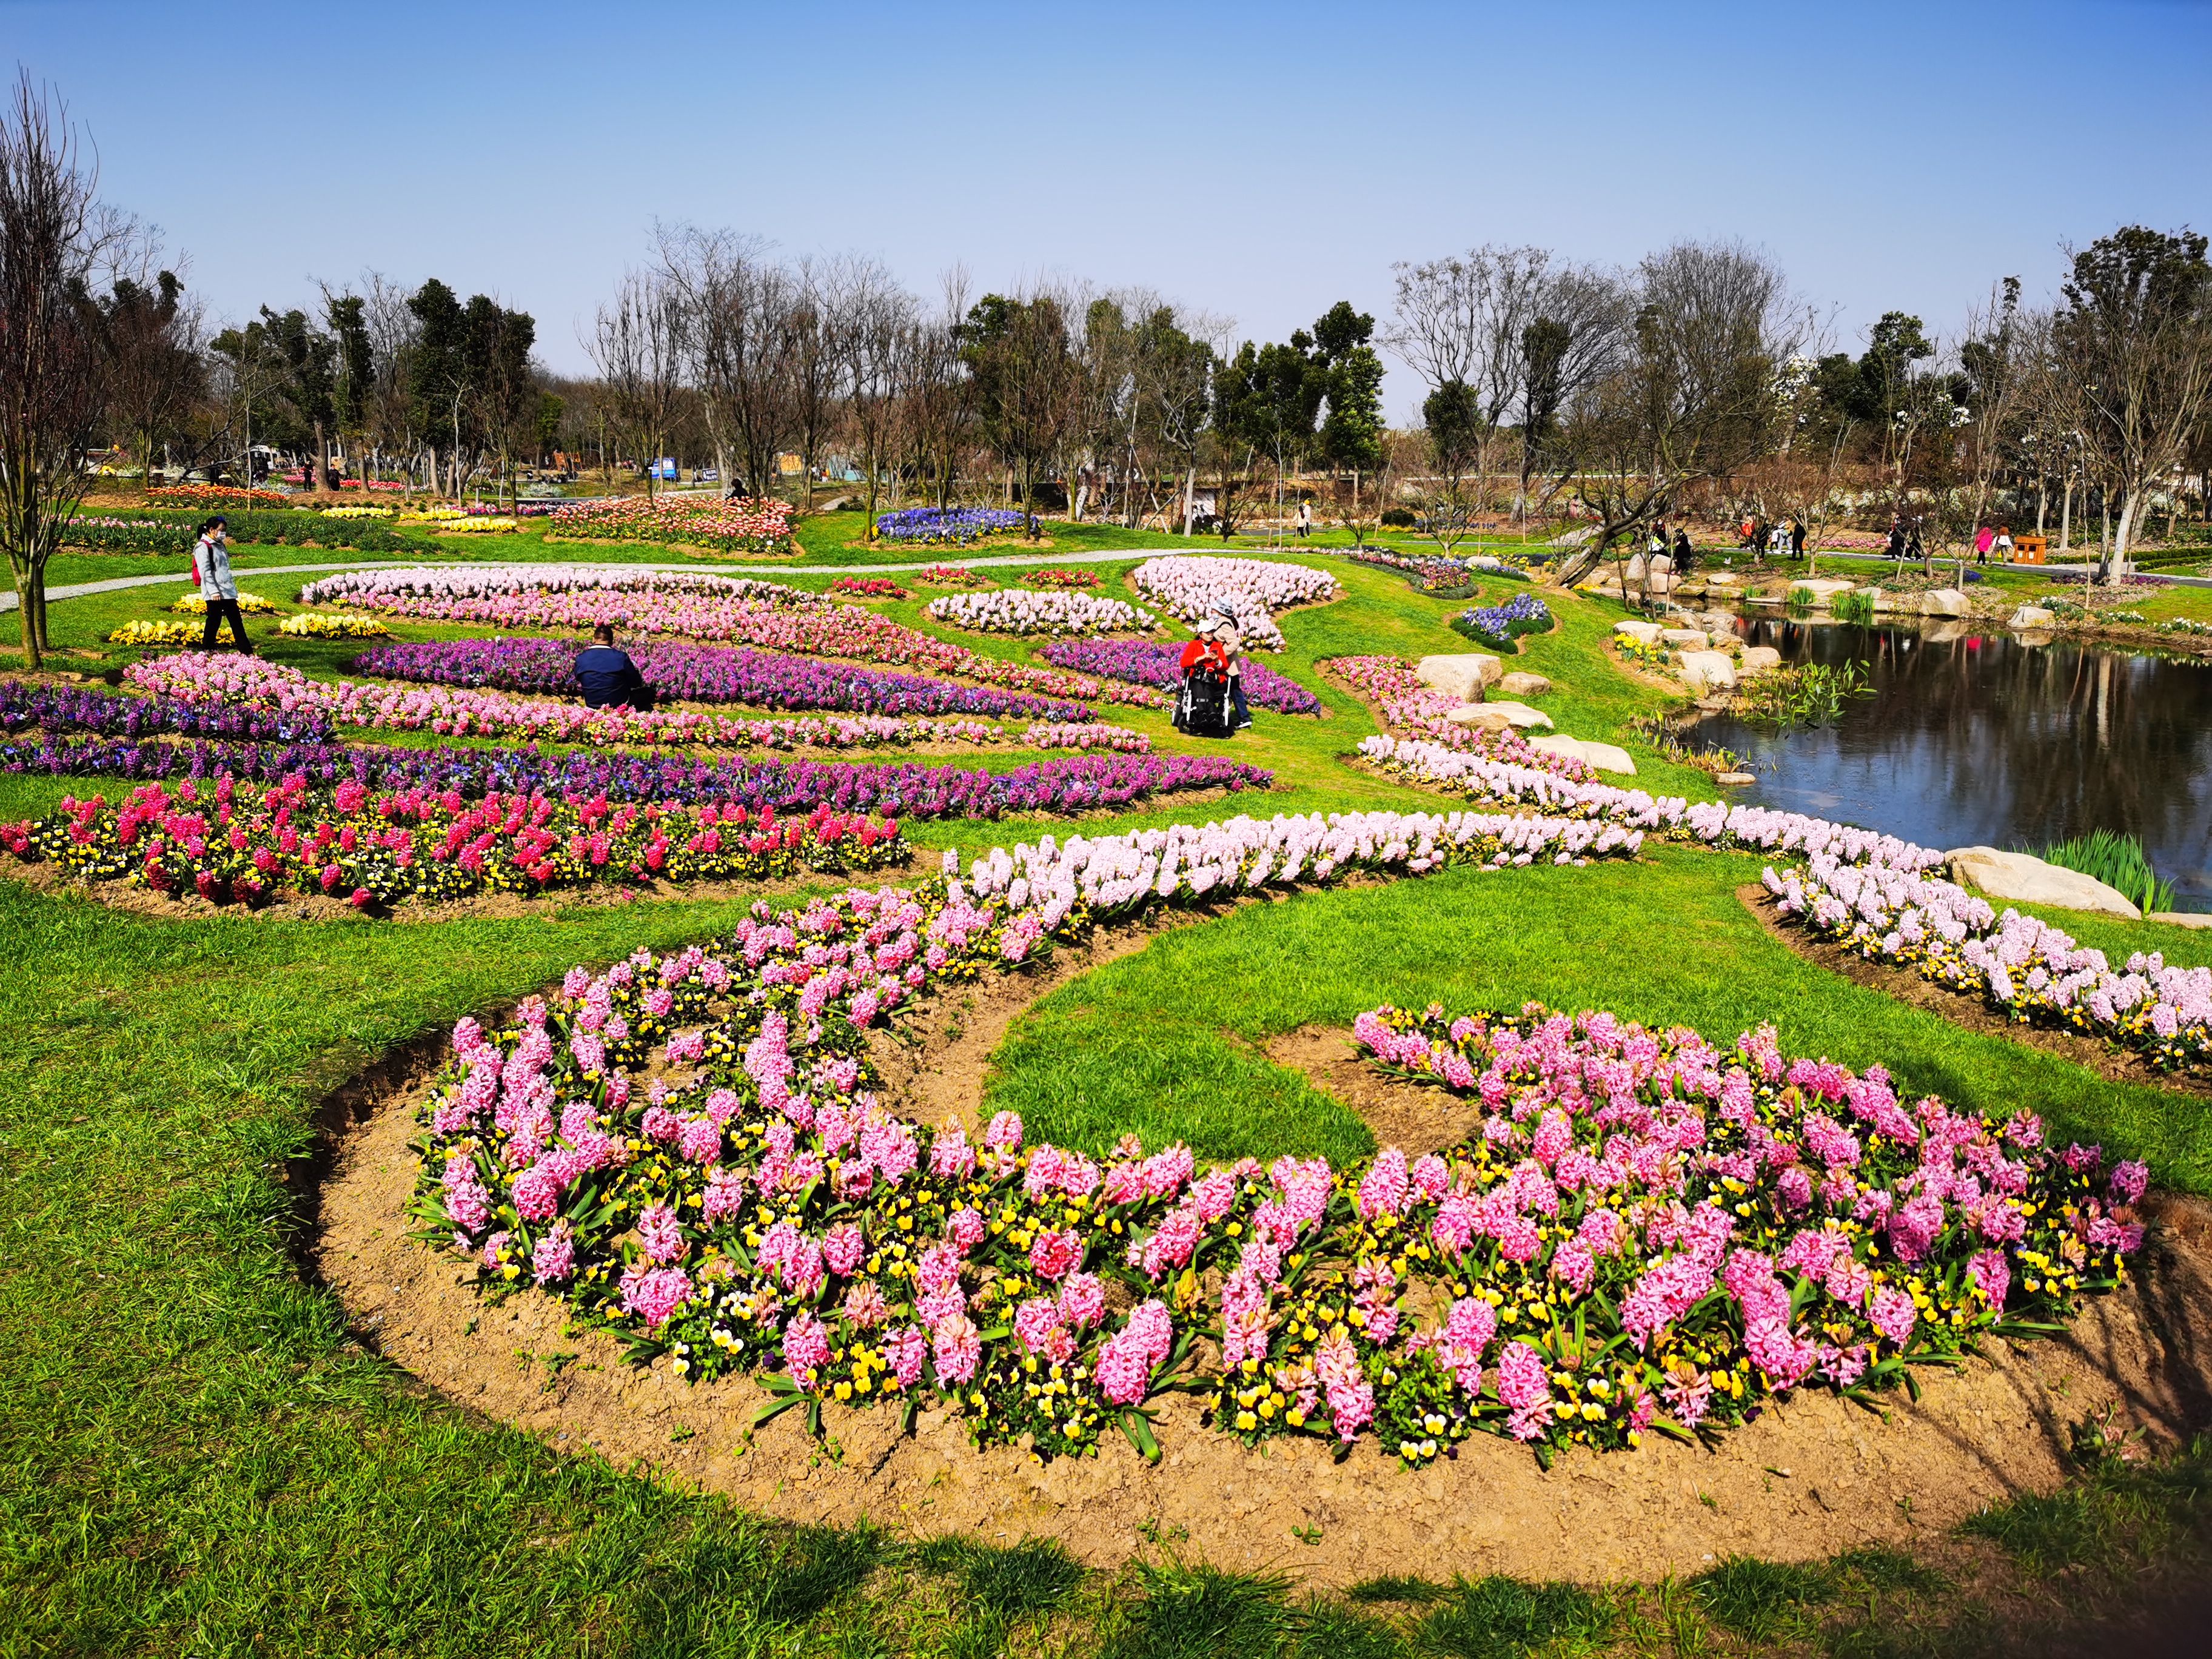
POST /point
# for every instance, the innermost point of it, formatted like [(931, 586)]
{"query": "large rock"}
[(2027, 879), (1643, 633), (1758, 659), (1605, 757), (1462, 676), (1685, 639), (1946, 602), (1721, 579), (1708, 670), (2172, 918), (2032, 615), (1824, 588), (1498, 716), (1523, 685), (1636, 568)]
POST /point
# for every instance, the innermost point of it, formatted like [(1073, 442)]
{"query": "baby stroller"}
[(1201, 707)]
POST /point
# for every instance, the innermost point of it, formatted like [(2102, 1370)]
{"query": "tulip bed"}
[(732, 526), (230, 842), (751, 613), (1148, 662), (1020, 611), (1647, 1234), (1189, 585), (227, 679), (1876, 895)]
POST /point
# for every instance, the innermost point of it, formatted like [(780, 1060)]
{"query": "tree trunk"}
[(1189, 489), (322, 458)]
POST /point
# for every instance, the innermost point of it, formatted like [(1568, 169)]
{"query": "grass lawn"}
[(197, 1456)]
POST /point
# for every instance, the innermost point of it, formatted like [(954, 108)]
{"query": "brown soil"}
[(1809, 1478), (1967, 1012)]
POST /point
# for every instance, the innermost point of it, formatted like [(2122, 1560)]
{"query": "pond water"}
[(1974, 739)]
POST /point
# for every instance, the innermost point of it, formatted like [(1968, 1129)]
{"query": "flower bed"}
[(960, 525), (1597, 1263), (751, 613), (1874, 894), (1148, 662), (953, 575), (249, 682), (318, 625), (1408, 706), (228, 841), (1189, 585), (75, 708), (1063, 786), (213, 496), (250, 605), (145, 632), (706, 673), (474, 525), (1068, 576), (732, 526), (868, 587), (1018, 611), (1498, 626)]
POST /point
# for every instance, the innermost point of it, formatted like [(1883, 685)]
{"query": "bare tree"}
[(2136, 340), (943, 398), (1696, 395), (638, 345), (52, 238), (816, 356), (739, 307), (880, 345)]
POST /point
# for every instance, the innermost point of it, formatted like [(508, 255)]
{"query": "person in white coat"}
[(218, 587)]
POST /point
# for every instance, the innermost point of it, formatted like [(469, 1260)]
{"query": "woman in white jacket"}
[(218, 587)]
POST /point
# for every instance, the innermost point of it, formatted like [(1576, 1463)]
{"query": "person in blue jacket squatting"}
[(610, 678)]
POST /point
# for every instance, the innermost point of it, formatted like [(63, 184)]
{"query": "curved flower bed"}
[(779, 618), (961, 525), (250, 681), (1149, 662), (1649, 1234), (249, 604), (64, 708), (1068, 576), (868, 587), (1874, 894), (1188, 585), (318, 625), (1408, 706), (745, 525), (706, 673), (436, 593), (231, 842), (1065, 785), (146, 632), (1498, 626), (1020, 611)]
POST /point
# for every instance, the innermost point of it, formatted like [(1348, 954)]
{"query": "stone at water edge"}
[(1521, 684), (1758, 659), (1643, 633), (1946, 602), (1824, 588), (2030, 880), (1686, 638), (1605, 757), (1732, 778), (1498, 716), (1708, 670), (2032, 615), (1463, 675), (2181, 918)]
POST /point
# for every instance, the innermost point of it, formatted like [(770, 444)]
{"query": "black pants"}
[(1240, 716), (217, 610)]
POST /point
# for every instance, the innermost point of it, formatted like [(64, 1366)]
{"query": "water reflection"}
[(1972, 737)]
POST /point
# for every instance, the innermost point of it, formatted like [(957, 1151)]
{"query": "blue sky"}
[(1259, 161)]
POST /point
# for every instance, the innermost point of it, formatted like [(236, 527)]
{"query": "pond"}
[(1975, 738)]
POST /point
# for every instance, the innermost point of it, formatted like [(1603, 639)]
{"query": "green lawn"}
[(197, 1457)]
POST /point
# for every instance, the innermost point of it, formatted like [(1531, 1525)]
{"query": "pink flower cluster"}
[(1190, 586), (1410, 707)]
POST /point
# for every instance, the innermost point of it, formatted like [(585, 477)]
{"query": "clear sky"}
[(1256, 160)]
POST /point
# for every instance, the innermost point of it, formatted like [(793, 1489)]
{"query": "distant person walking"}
[(1683, 555), (218, 588), (1984, 538), (2002, 546), (1306, 519), (1895, 547), (1797, 539), (610, 678)]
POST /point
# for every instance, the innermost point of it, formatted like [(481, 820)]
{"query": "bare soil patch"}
[(2116, 1065), (1812, 1476)]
